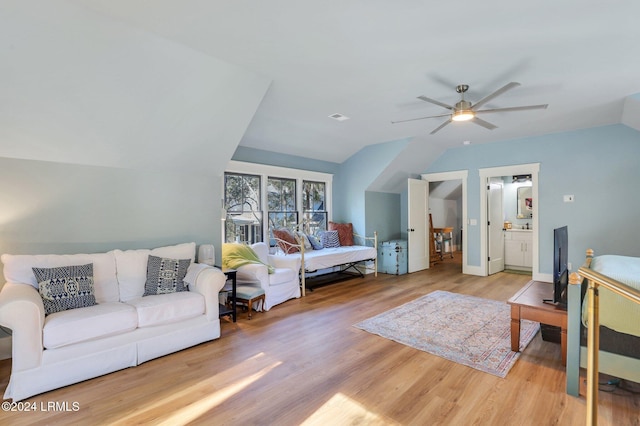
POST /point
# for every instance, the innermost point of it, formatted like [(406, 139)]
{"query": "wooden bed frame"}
[(344, 267), (615, 356)]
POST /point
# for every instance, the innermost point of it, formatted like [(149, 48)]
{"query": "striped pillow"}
[(330, 239)]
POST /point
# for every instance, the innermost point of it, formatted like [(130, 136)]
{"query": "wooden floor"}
[(304, 363)]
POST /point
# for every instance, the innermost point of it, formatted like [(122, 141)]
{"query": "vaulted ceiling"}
[(171, 76)]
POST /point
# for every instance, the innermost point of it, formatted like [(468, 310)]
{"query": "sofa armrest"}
[(22, 311), (253, 272), (288, 262), (209, 282)]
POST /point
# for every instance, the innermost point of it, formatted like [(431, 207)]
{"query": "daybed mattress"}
[(315, 260), (616, 312)]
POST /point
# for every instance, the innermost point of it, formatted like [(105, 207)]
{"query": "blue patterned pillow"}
[(165, 275), (315, 242), (65, 287), (330, 239)]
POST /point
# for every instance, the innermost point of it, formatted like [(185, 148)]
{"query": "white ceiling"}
[(369, 60)]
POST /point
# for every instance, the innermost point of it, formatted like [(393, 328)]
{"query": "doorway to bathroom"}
[(509, 239)]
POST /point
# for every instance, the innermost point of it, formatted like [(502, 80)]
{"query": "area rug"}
[(469, 330)]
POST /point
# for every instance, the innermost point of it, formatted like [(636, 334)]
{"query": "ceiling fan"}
[(464, 110)]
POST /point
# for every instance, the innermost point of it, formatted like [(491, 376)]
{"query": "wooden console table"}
[(528, 304)]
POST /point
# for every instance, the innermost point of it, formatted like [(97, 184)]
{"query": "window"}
[(242, 199), (313, 205), (281, 202), (290, 195)]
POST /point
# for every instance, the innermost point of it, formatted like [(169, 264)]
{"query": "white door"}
[(418, 222), (495, 239)]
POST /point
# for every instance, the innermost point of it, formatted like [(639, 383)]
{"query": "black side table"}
[(231, 276)]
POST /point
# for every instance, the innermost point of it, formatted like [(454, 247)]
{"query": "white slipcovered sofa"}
[(122, 330)]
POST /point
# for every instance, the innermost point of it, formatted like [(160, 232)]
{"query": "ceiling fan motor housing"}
[(463, 105)]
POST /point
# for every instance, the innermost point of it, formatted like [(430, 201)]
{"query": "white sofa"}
[(282, 285), (122, 330)]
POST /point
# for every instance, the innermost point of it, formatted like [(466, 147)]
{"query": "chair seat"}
[(248, 291), (250, 294)]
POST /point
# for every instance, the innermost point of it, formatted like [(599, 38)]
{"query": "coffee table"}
[(528, 304)]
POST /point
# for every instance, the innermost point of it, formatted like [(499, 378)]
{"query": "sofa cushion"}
[(165, 275), (65, 287), (19, 269), (132, 266), (167, 308), (94, 322)]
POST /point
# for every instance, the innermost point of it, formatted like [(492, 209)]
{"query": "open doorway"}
[(445, 208), (518, 214), (447, 202)]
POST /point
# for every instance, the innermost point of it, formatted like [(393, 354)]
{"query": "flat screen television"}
[(560, 265)]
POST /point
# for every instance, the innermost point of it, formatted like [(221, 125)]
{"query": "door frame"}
[(455, 175), (532, 169)]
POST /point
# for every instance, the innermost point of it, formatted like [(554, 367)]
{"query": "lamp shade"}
[(207, 254)]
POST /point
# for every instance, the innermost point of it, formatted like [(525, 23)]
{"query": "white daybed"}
[(344, 257)]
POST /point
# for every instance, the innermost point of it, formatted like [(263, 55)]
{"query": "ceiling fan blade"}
[(519, 108), (433, 101), (483, 123), (421, 118), (440, 127), (498, 92)]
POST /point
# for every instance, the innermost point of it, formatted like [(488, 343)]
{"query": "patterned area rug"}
[(468, 330)]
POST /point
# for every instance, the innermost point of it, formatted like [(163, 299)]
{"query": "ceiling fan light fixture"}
[(462, 115)]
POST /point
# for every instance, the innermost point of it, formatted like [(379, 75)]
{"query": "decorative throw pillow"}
[(315, 242), (304, 238), (287, 237), (165, 275), (330, 239), (345, 232), (65, 287)]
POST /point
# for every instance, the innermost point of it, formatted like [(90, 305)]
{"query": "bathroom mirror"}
[(525, 203)]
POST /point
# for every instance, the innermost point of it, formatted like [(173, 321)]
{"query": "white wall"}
[(445, 213)]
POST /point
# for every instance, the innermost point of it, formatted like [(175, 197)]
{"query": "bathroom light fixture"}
[(521, 178)]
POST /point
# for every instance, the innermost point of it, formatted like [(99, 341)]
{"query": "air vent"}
[(339, 117)]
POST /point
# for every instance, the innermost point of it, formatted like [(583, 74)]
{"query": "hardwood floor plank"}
[(303, 362)]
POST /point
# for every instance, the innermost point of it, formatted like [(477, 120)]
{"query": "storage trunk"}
[(392, 257)]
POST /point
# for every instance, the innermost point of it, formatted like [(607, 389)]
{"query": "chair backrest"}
[(262, 250)]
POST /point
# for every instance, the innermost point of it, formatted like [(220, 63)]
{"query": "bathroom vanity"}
[(518, 249)]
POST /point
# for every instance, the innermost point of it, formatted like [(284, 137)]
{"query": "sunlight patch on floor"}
[(192, 411), (204, 395), (342, 410)]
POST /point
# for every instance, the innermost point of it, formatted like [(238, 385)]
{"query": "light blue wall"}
[(353, 179), (383, 215), (259, 156), (64, 208), (599, 166)]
